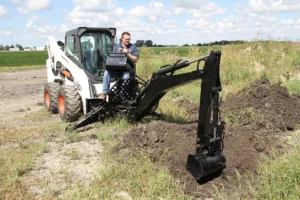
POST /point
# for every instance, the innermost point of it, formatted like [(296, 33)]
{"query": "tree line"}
[(149, 43), (7, 47)]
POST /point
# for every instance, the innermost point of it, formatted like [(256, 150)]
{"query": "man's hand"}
[(120, 50), (125, 51)]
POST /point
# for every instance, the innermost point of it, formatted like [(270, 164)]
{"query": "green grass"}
[(23, 58), (293, 86), (180, 51), (14, 163), (21, 68), (131, 173), (279, 177)]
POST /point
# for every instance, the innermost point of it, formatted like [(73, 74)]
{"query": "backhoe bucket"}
[(200, 166)]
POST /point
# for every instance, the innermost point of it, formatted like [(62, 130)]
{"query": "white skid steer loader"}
[(75, 70)]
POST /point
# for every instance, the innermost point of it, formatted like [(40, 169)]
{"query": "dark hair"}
[(125, 33)]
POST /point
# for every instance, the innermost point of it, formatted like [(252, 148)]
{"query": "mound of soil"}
[(263, 107), (257, 115)]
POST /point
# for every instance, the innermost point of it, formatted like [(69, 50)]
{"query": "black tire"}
[(50, 97), (69, 103)]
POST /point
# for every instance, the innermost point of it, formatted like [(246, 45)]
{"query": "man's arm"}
[(133, 55)]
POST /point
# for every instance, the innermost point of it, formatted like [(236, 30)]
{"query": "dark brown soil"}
[(272, 108), (256, 117)]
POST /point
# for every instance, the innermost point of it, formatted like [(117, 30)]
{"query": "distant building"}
[(29, 49), (40, 48), (14, 49)]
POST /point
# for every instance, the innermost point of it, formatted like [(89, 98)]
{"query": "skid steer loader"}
[(75, 74)]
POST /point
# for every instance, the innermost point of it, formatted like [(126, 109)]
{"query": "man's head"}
[(125, 38)]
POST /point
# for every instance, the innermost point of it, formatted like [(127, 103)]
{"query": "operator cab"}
[(88, 48)]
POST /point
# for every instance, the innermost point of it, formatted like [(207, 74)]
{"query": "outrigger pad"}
[(200, 166)]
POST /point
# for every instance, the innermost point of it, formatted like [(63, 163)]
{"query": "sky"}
[(166, 22)]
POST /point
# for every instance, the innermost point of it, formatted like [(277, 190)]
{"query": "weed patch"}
[(15, 162)]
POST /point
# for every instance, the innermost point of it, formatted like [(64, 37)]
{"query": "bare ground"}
[(62, 166)]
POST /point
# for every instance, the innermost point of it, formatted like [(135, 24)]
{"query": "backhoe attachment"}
[(127, 98), (209, 157)]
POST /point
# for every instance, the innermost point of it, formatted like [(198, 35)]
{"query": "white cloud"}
[(95, 5), (170, 24), (24, 7), (36, 18), (262, 16), (46, 30), (37, 4), (271, 6), (233, 23), (29, 23), (3, 11), (197, 8), (189, 4), (94, 13), (23, 11), (6, 32), (198, 24), (179, 10), (63, 28), (154, 11)]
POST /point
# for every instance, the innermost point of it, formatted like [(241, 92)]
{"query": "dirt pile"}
[(256, 116), (263, 107)]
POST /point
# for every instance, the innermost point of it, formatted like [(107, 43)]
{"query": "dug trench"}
[(256, 119)]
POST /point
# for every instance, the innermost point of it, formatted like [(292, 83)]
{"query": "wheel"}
[(69, 103), (50, 97)]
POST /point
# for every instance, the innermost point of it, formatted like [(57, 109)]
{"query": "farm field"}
[(119, 160), (22, 58)]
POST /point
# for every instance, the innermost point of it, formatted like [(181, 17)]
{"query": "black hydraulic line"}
[(144, 82), (178, 66)]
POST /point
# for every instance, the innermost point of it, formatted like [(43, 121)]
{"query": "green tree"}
[(20, 47), (149, 43), (139, 43)]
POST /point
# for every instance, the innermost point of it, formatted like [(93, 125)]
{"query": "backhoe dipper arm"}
[(208, 158)]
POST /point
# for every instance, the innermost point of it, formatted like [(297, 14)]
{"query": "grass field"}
[(23, 58)]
